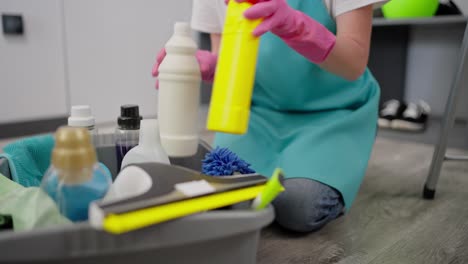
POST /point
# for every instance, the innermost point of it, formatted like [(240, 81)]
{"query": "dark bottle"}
[(127, 132)]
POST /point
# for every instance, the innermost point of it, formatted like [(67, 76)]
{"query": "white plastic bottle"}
[(149, 148), (179, 94), (81, 116)]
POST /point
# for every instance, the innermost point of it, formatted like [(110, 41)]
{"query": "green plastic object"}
[(410, 8), (30, 208)]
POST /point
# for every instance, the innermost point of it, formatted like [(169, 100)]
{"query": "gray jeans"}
[(307, 205)]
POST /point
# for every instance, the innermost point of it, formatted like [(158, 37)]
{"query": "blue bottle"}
[(75, 178)]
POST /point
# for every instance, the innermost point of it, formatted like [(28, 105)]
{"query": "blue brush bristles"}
[(223, 162)]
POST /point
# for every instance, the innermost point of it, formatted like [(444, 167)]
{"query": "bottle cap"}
[(129, 117), (73, 152), (182, 28), (81, 116)]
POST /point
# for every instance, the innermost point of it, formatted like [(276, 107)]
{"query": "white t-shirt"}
[(208, 15)]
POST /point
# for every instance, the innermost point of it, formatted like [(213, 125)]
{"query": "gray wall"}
[(416, 60), (432, 61), (112, 46)]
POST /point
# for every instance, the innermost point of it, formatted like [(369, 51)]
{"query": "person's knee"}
[(307, 205)]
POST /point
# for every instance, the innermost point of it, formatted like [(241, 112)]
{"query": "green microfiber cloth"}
[(29, 159), (29, 207)]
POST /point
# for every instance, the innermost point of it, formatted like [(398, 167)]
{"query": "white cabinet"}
[(32, 72), (111, 48), (96, 52)]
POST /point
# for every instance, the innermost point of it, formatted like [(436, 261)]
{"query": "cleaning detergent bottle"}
[(235, 72), (127, 132), (75, 178), (81, 116), (149, 148), (179, 94)]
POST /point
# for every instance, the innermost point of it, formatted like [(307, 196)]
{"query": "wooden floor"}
[(389, 222)]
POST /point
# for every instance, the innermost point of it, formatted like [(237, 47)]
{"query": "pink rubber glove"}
[(206, 60), (299, 31)]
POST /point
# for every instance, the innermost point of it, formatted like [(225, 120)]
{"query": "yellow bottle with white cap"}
[(233, 84)]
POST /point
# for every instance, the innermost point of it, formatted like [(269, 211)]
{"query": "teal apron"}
[(309, 122)]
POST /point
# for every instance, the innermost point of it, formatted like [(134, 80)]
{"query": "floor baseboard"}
[(25, 128)]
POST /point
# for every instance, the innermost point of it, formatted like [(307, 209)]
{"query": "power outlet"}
[(12, 24)]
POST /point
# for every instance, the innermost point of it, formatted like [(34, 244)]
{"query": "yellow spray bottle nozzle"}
[(272, 189)]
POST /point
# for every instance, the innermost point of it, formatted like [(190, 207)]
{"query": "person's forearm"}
[(350, 55), (347, 59), (215, 41)]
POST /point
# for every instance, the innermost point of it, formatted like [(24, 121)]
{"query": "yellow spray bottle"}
[(233, 84)]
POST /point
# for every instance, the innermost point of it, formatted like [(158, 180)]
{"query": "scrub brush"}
[(223, 162)]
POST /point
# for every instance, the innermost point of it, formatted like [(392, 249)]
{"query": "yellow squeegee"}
[(121, 223)]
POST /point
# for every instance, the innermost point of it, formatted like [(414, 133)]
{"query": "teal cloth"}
[(309, 122), (30, 208), (29, 159)]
